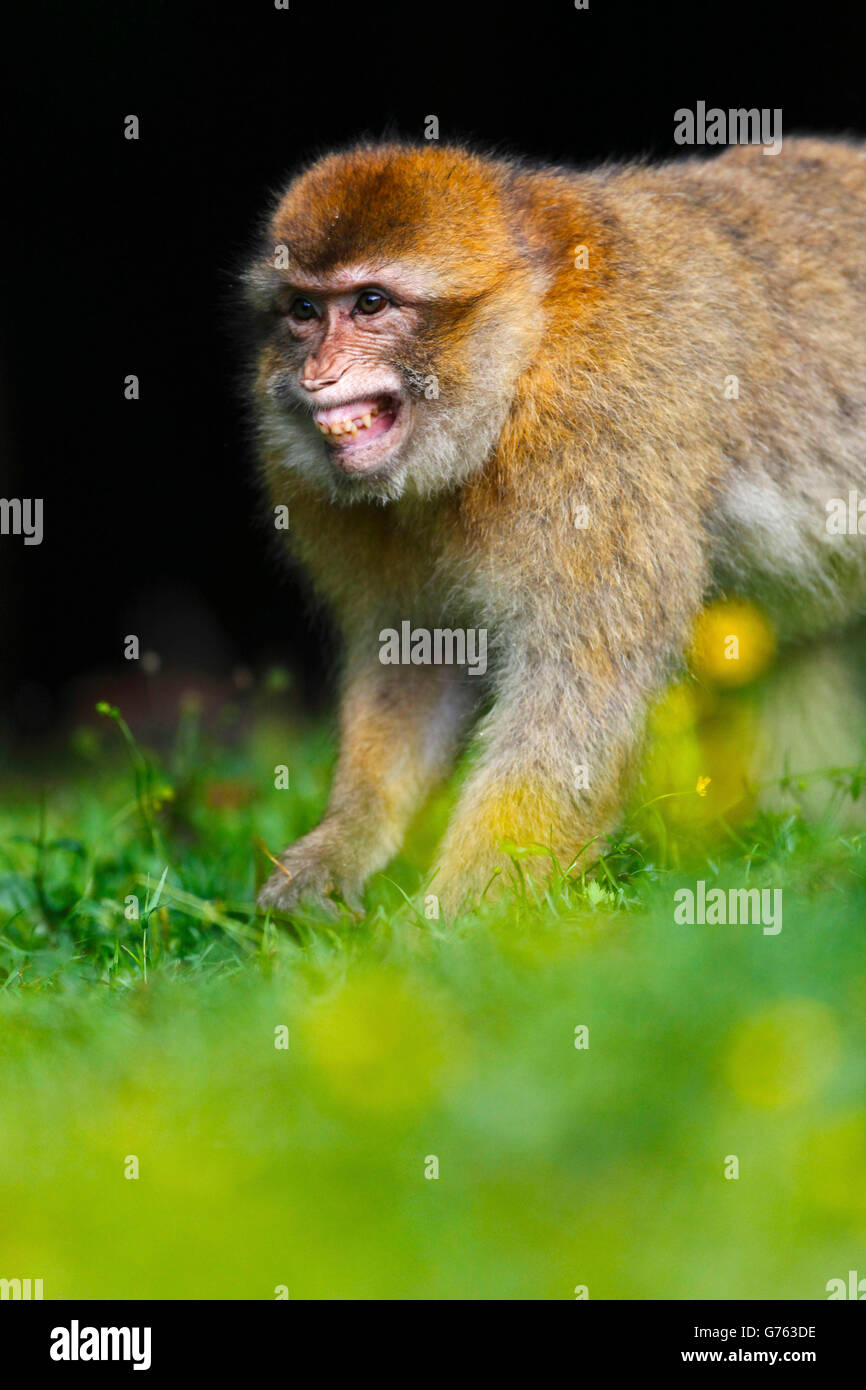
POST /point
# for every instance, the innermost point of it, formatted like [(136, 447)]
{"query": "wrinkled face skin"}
[(354, 334), (388, 372), (344, 378)]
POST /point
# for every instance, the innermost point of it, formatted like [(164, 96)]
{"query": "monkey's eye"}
[(301, 308), (370, 302)]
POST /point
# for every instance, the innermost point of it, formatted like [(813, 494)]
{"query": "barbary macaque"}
[(562, 409)]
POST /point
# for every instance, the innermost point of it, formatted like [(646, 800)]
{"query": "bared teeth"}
[(362, 422)]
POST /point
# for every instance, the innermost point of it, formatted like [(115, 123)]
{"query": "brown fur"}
[(564, 388)]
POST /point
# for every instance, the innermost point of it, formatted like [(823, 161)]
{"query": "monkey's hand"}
[(475, 873), (481, 872), (313, 870), (400, 729)]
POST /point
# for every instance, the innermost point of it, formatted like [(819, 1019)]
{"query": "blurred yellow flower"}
[(676, 712), (733, 643), (832, 1164), (784, 1055), (379, 1047), (702, 784)]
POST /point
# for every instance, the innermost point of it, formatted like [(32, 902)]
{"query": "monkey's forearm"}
[(400, 730)]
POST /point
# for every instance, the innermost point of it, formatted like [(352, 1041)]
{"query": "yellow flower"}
[(379, 1046), (733, 643), (701, 786), (784, 1055)]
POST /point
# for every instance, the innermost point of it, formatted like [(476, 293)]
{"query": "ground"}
[(551, 1098)]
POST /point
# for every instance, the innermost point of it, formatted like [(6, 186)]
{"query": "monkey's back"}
[(745, 300)]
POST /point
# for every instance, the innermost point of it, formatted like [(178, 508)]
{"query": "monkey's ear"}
[(258, 285), (544, 219), (249, 302)]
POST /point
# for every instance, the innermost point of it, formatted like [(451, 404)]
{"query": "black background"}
[(199, 1340), (120, 257)]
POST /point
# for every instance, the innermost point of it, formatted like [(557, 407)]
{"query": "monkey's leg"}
[(590, 626), (400, 730), (557, 756)]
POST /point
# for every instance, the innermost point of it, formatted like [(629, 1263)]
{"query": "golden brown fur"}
[(564, 387)]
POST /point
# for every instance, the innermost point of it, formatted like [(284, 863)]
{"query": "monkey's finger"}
[(352, 898)]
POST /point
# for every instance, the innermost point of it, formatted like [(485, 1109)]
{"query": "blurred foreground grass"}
[(412, 1040)]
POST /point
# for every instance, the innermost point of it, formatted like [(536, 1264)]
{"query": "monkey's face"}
[(393, 330), (341, 372)]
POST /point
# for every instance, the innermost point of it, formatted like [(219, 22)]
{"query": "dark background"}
[(120, 257)]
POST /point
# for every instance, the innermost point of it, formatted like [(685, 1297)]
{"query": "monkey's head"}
[(396, 304)]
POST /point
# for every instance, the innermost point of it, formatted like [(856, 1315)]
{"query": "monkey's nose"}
[(316, 383)]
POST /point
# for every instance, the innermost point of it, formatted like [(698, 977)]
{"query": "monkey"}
[(564, 408)]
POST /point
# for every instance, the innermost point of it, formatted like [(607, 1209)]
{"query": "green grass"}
[(412, 1038)]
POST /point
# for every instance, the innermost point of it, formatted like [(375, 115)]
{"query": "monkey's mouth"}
[(356, 432)]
